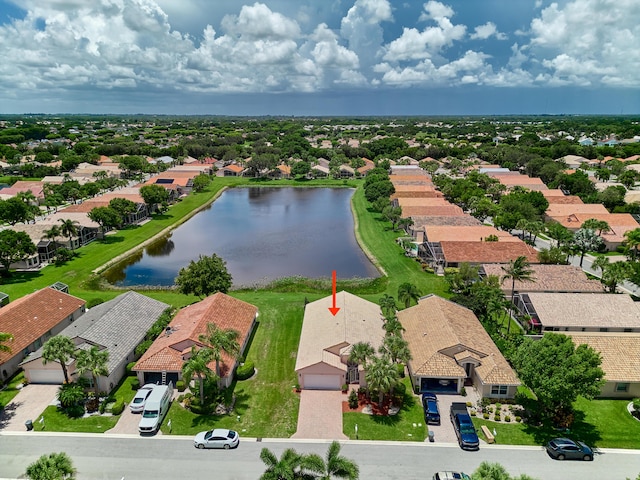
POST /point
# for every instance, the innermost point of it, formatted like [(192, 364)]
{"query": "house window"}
[(604, 329), (498, 389), (628, 330), (622, 387)]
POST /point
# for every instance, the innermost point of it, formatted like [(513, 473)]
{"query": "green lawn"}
[(124, 391), (400, 427), (10, 391), (599, 423), (56, 421)]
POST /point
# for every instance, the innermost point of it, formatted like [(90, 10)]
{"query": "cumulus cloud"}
[(489, 29), (362, 28)]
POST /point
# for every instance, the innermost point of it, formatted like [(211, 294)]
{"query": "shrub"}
[(636, 404), (129, 367), (496, 418), (498, 406), (518, 419), (245, 371), (94, 302), (469, 404), (507, 418), (196, 407), (135, 384), (400, 369), (181, 386), (463, 392), (353, 399), (118, 407), (485, 416), (143, 347), (472, 412)]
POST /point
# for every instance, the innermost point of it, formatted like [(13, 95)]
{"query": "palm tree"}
[(290, 466), (360, 353), (55, 466), (397, 348), (52, 234), (70, 229), (388, 305), (600, 263), (520, 270), (93, 361), (4, 338), (615, 273), (334, 465), (407, 293), (198, 365), (392, 326), (221, 341), (633, 241), (381, 376), (59, 349)]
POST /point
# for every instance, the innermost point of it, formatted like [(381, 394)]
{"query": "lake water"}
[(262, 234)]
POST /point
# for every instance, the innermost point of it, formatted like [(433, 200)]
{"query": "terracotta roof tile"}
[(30, 317), (550, 278), (487, 252)]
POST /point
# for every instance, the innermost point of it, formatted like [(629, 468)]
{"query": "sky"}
[(320, 57)]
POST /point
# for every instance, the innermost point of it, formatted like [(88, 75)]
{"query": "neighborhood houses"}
[(491, 238)]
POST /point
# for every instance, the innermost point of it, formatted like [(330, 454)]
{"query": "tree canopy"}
[(558, 372), (203, 277), (14, 247)]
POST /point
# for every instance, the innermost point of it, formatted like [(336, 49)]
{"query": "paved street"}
[(132, 457)]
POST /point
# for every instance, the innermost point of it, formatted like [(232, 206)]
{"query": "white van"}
[(156, 408)]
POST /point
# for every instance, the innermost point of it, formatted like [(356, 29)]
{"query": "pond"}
[(262, 233)]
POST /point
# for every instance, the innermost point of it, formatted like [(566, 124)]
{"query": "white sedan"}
[(137, 404), (218, 438)]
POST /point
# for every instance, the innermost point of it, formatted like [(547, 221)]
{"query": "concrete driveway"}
[(320, 415), (27, 405)]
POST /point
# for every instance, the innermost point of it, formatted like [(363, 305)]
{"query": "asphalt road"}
[(169, 457)]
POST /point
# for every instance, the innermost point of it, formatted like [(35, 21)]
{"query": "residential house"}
[(232, 170), (163, 361), (322, 362), (33, 319), (421, 221), (416, 191), (117, 326), (581, 312), (556, 196), (620, 353), (453, 253), (451, 349), (510, 181)]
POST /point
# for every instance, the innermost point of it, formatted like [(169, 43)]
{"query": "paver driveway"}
[(320, 415), (28, 404)]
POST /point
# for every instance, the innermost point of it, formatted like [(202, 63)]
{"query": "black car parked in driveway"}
[(431, 410)]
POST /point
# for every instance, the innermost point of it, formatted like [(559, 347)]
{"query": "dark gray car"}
[(565, 448)]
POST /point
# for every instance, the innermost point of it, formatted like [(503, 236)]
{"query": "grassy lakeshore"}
[(266, 403)]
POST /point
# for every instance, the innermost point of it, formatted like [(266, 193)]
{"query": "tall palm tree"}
[(93, 361), (55, 466), (632, 242), (381, 376), (4, 338), (221, 341), (392, 326), (52, 234), (58, 349), (520, 270), (70, 229), (333, 465), (407, 293), (388, 305), (360, 353), (397, 348), (198, 365), (291, 465)]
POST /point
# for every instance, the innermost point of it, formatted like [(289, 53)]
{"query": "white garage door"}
[(322, 382), (46, 376)]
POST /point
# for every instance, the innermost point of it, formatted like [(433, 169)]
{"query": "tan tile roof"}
[(457, 220), (422, 202), (466, 233), (357, 321), (416, 179), (561, 210), (553, 192), (487, 252), (437, 330), (522, 180), (431, 211), (549, 278), (220, 309), (30, 317), (589, 310), (620, 353)]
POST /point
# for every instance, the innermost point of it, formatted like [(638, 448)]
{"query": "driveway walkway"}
[(27, 405), (320, 415)]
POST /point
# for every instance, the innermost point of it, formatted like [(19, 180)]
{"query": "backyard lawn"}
[(599, 423)]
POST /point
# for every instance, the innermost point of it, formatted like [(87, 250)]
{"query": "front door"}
[(353, 375)]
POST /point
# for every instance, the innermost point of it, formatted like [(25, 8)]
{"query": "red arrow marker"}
[(334, 310)]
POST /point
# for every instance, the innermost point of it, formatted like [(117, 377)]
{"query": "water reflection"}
[(262, 234)]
